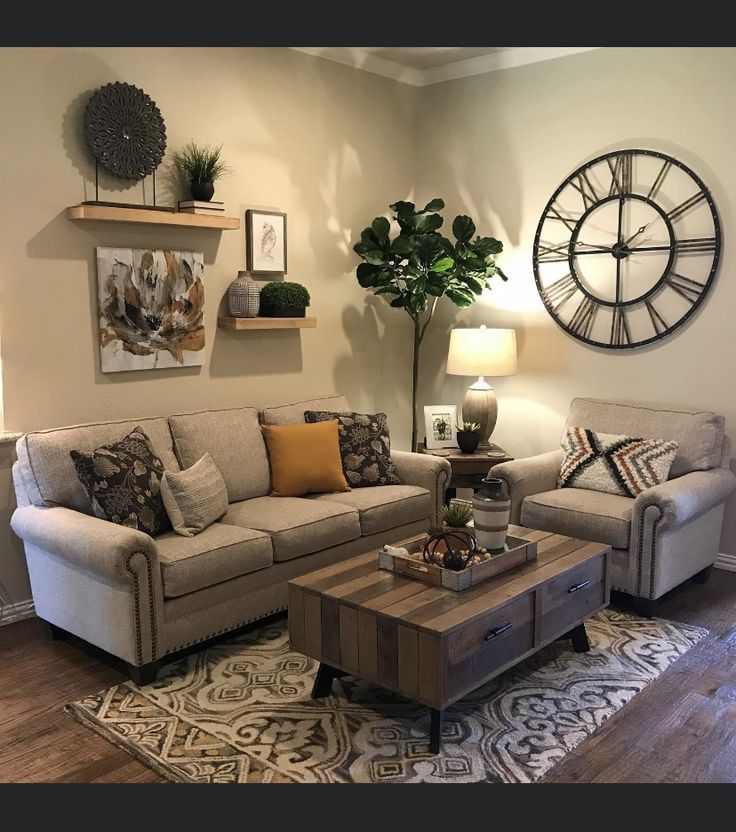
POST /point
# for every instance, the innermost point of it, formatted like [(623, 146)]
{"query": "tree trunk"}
[(414, 383)]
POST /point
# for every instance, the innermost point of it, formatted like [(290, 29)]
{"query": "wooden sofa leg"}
[(703, 575), (143, 674), (53, 633)]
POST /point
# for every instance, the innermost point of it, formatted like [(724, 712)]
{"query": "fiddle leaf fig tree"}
[(419, 266)]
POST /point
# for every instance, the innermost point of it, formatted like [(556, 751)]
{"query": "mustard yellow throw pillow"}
[(305, 459)]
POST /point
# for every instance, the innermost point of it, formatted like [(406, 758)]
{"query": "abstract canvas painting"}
[(266, 234), (151, 308)]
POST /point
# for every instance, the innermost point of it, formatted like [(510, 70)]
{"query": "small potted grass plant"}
[(468, 436), (457, 514), (200, 166), (284, 299)]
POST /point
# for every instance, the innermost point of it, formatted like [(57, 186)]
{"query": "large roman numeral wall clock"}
[(627, 249)]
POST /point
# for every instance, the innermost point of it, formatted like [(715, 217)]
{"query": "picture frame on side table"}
[(265, 233), (440, 425)]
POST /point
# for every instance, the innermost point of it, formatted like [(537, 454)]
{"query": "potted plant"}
[(468, 436), (419, 266), (200, 167), (457, 515), (284, 299)]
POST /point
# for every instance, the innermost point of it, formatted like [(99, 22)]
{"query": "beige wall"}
[(327, 144), (497, 146)]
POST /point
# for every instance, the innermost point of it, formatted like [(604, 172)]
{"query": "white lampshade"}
[(482, 352)]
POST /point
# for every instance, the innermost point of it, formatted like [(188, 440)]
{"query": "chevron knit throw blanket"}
[(614, 464)]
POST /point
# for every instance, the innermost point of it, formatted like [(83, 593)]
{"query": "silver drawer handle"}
[(496, 631), (576, 587)]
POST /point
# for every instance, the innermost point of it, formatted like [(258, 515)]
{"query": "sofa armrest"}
[(684, 498), (97, 580), (427, 471), (95, 545), (528, 476)]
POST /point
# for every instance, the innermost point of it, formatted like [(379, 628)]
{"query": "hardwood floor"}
[(682, 728)]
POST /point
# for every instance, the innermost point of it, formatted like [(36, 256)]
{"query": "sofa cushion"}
[(291, 414), (614, 463), (217, 554), (385, 507), (699, 433), (194, 498), (234, 441), (577, 512), (47, 469), (305, 459), (123, 482), (297, 525)]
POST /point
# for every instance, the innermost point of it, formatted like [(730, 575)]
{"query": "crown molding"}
[(359, 58)]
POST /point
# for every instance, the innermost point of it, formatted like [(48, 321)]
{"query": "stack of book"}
[(197, 206)]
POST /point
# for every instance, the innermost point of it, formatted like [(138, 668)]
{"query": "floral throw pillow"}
[(365, 446), (123, 482)]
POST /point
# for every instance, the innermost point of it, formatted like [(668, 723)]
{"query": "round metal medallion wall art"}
[(125, 130)]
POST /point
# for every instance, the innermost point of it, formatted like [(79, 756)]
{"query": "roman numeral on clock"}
[(553, 254), (581, 322), (686, 287), (695, 245), (555, 213), (621, 175), (586, 189), (620, 332), (658, 322), (689, 203), (663, 171), (558, 293)]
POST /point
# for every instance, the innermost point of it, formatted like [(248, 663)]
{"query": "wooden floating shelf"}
[(111, 213), (266, 323)]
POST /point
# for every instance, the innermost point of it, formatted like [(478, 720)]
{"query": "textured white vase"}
[(244, 297)]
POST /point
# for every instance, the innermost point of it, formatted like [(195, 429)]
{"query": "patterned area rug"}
[(241, 712)]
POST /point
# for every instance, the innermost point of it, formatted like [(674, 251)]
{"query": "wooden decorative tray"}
[(517, 551)]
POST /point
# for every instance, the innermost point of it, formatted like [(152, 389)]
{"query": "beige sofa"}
[(661, 538), (140, 598)]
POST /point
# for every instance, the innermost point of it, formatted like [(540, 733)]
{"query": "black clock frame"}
[(579, 175)]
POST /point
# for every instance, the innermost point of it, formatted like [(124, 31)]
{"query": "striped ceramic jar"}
[(491, 510), (244, 297)]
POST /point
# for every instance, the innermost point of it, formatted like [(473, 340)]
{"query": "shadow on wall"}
[(14, 585)]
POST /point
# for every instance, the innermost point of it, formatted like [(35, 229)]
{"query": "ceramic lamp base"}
[(479, 405)]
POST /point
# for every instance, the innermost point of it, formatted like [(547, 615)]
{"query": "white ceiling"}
[(422, 65)]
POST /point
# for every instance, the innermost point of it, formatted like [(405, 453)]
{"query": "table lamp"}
[(482, 352)]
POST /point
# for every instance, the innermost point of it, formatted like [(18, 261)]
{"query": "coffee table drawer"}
[(477, 649), (572, 597)]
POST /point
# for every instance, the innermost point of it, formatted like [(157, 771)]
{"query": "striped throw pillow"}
[(612, 463), (194, 498)]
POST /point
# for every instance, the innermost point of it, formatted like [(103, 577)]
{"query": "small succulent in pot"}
[(458, 514), (200, 167), (284, 299), (468, 436)]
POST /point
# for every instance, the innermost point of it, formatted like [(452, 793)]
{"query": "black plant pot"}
[(203, 191), (283, 312), (468, 440)]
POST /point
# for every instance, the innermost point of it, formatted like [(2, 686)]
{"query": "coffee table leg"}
[(323, 683), (579, 638), (435, 732)]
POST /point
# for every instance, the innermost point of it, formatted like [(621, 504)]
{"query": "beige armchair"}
[(663, 537)]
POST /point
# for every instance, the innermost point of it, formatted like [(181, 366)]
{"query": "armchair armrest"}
[(685, 498), (426, 471), (528, 476), (95, 545)]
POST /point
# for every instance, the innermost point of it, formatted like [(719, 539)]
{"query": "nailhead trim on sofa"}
[(640, 553), (228, 629), (137, 607)]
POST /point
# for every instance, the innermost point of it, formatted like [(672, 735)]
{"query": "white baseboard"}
[(10, 613), (727, 562)]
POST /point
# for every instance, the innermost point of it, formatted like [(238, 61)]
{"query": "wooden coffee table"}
[(435, 645)]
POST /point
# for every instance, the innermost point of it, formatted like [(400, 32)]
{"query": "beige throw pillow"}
[(194, 498)]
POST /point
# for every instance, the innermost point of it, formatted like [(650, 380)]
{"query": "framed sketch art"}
[(440, 424), (151, 304), (266, 242)]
